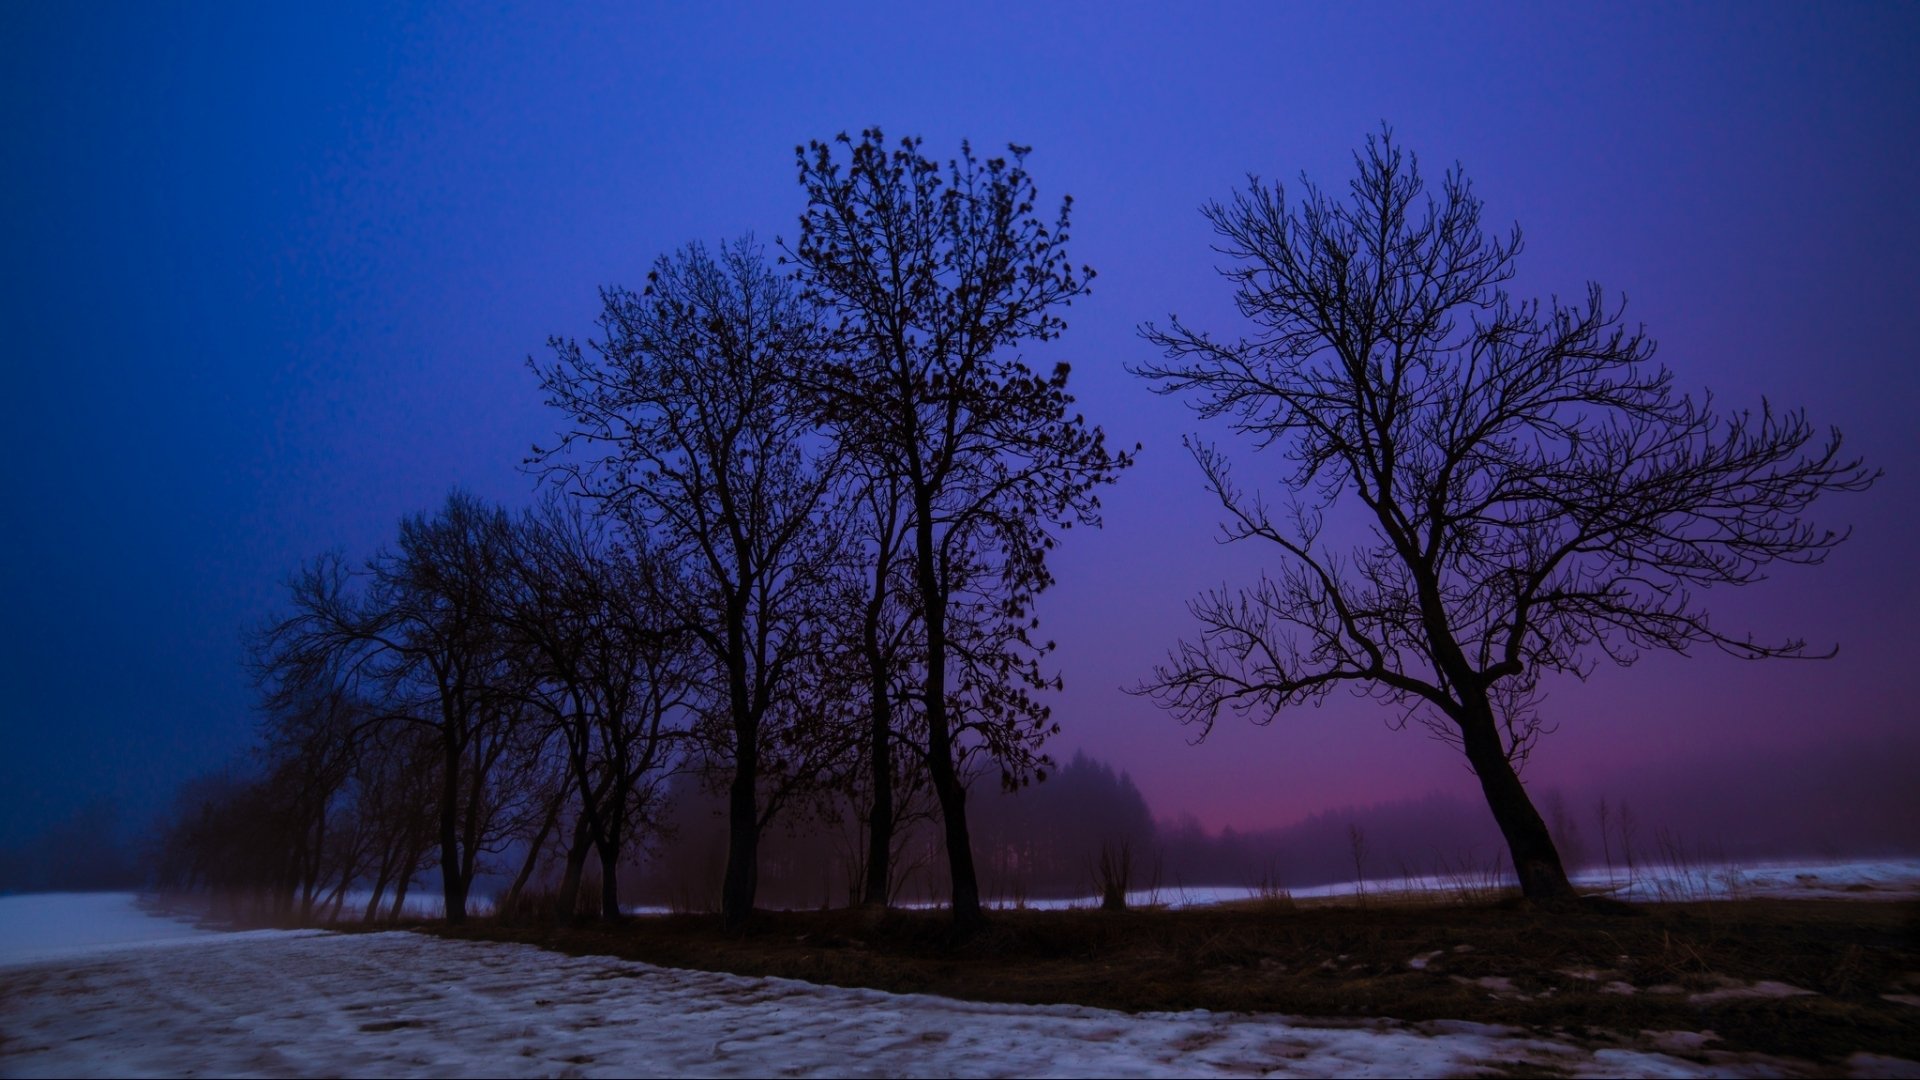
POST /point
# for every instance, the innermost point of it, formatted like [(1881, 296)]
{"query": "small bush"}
[(1113, 875)]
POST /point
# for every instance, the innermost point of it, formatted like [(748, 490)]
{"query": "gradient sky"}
[(272, 275)]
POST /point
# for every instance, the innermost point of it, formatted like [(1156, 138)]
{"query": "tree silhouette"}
[(937, 274), (609, 668), (876, 584), (685, 418), (423, 640), (1537, 496)]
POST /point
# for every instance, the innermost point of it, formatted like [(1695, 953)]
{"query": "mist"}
[(1850, 799)]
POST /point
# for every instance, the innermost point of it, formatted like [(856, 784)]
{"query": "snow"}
[(403, 1004), (1875, 1066), (1765, 988), (1881, 879)]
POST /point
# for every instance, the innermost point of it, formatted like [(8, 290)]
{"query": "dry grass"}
[(1592, 974)]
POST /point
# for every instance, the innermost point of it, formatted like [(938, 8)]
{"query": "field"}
[(1815, 979), (1773, 984)]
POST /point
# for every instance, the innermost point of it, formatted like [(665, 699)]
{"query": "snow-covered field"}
[(1884, 879), (96, 985), (1881, 879)]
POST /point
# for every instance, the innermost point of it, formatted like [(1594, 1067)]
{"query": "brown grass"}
[(1564, 973)]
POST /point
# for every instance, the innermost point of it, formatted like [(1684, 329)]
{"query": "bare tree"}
[(1536, 494), (423, 638), (685, 420), (310, 750), (937, 275), (398, 780), (876, 583), (223, 835), (608, 665)]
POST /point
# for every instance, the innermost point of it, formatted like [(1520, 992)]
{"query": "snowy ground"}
[(1885, 879), (145, 995), (1882, 879)]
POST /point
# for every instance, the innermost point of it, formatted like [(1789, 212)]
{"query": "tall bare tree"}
[(1536, 496), (937, 276), (683, 417)]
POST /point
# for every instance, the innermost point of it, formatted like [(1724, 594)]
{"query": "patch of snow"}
[(1881, 1067), (1630, 1063), (1762, 989), (1866, 879), (1904, 999), (1609, 983), (1419, 963), (1681, 1042), (1496, 984), (1875, 879)]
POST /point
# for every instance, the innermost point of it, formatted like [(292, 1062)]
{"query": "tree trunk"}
[(453, 888), (880, 762), (609, 882), (1535, 859), (946, 779), (380, 886), (953, 811), (473, 821), (743, 804), (400, 899), (743, 836), (567, 904), (510, 906), (417, 846)]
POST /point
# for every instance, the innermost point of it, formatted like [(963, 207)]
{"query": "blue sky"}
[(273, 274)]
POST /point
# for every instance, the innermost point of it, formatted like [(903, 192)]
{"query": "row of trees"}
[(1040, 841), (796, 524), (807, 510)]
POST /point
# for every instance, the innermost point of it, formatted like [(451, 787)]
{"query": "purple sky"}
[(271, 278)]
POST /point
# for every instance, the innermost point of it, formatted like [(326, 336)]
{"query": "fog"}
[(1844, 799)]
